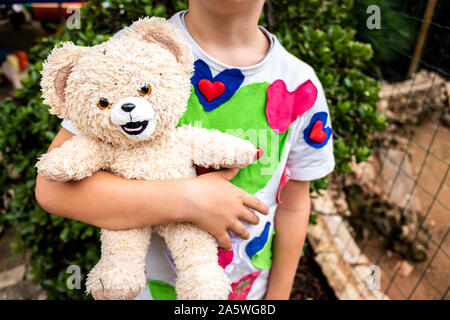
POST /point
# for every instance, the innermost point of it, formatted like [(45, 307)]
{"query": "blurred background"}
[(380, 223)]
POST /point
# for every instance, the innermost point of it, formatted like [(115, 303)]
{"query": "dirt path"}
[(429, 279), (14, 283)]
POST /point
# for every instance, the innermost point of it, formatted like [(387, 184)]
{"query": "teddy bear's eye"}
[(145, 90), (103, 103)]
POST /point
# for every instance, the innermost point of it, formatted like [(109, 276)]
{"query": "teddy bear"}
[(126, 97)]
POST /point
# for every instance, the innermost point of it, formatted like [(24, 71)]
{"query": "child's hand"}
[(216, 205)]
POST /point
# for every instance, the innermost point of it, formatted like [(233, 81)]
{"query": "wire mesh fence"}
[(406, 223)]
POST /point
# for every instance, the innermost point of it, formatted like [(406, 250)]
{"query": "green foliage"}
[(398, 31), (310, 29)]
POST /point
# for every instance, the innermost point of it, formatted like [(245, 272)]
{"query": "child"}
[(245, 67)]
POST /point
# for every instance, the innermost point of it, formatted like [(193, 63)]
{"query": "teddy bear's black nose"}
[(128, 107)]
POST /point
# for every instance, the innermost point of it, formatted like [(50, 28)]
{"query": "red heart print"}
[(317, 133), (210, 90)]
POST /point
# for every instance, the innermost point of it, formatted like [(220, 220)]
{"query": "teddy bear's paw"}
[(50, 173), (108, 281), (250, 155), (203, 282), (244, 154)]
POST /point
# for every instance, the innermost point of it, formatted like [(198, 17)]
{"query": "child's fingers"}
[(225, 241), (249, 216), (254, 203), (240, 230)]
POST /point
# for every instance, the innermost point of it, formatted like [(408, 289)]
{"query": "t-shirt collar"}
[(179, 20)]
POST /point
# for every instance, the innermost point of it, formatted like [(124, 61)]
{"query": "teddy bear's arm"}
[(212, 148), (76, 159)]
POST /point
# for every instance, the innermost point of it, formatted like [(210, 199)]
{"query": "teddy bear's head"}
[(131, 88)]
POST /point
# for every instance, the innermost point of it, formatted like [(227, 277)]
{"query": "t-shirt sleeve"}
[(68, 125), (311, 155)]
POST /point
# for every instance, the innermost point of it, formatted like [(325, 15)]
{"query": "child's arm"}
[(112, 202), (291, 222)]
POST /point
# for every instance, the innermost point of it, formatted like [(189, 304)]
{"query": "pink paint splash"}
[(241, 288), (225, 257), (283, 107)]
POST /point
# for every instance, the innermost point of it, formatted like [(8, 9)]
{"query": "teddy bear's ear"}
[(164, 34), (55, 72)]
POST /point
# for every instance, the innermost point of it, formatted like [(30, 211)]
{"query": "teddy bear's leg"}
[(120, 273), (195, 255)]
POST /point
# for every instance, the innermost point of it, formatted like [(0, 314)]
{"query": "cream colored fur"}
[(150, 52)]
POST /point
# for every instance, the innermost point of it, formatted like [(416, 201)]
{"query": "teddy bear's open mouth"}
[(135, 128)]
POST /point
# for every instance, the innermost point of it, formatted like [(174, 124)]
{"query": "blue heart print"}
[(319, 116), (231, 78)]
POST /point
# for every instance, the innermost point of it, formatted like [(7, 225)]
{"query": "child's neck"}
[(229, 34)]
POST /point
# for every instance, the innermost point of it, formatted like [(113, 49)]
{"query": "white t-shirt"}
[(283, 105)]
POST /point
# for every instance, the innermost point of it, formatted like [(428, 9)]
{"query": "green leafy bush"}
[(394, 41), (398, 31), (309, 29)]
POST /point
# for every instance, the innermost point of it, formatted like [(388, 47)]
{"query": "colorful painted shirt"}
[(279, 106)]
